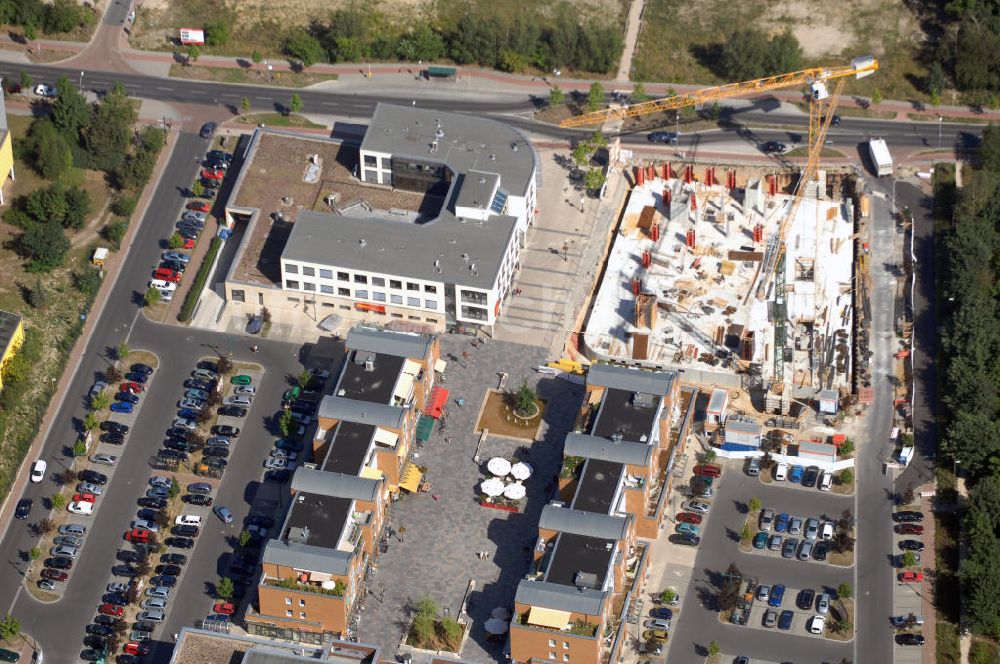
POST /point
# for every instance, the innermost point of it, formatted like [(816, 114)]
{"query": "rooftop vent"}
[(370, 364), (585, 580), (299, 535), (482, 180), (616, 437), (465, 257), (513, 146), (363, 242), (642, 400), (493, 157)]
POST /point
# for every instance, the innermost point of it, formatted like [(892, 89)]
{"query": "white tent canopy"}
[(496, 626), (521, 470), (492, 487), (514, 491), (498, 466)]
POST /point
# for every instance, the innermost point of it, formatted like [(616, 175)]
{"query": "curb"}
[(58, 399)]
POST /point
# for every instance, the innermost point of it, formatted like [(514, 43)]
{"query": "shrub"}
[(88, 282), (58, 501), (451, 628), (191, 299), (123, 206), (79, 449), (844, 591), (152, 296), (847, 476), (90, 421), (115, 232), (224, 589)]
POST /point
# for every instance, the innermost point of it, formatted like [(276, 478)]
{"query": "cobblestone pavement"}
[(436, 553)]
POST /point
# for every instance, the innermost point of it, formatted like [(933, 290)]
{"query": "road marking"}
[(20, 587)]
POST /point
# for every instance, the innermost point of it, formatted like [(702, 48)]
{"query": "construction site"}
[(695, 280)]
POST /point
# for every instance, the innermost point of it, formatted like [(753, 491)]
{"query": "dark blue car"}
[(776, 596), (187, 414), (127, 397), (662, 613), (121, 407), (781, 523)]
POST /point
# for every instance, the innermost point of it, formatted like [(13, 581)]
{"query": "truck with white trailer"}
[(881, 159)]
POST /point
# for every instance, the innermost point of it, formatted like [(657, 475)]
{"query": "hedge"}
[(191, 299)]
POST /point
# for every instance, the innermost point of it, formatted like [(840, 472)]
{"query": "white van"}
[(162, 285), (781, 472), (188, 520), (826, 481), (827, 532)]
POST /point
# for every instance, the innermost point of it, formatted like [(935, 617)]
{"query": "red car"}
[(225, 608), (707, 470), (109, 609), (689, 517), (138, 536), (133, 648), (54, 575), (188, 244), (909, 529), (84, 498), (129, 386), (910, 577), (166, 274), (213, 174), (199, 206)]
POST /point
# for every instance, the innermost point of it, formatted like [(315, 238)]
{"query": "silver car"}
[(65, 551), (193, 215), (72, 529), (766, 520), (154, 603), (89, 487), (657, 624), (240, 400), (159, 592), (805, 549), (795, 526), (104, 459), (823, 603), (812, 528), (68, 540)]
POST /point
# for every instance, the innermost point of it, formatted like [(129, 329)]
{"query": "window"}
[(565, 657), (430, 289), (565, 646), (302, 602), (344, 307), (360, 279), (325, 274), (430, 304), (361, 294), (308, 271), (239, 296), (323, 288), (385, 163), (371, 176), (294, 299), (346, 292), (302, 615), (294, 285), (432, 320), (378, 281), (413, 301), (395, 299), (288, 612), (473, 297), (413, 317), (552, 655), (371, 160), (328, 304), (291, 268), (343, 276), (396, 283), (397, 315), (412, 286), (552, 643), (260, 298), (288, 601), (475, 313), (378, 297), (308, 285)]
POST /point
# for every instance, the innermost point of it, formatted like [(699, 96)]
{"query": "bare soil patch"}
[(498, 417)]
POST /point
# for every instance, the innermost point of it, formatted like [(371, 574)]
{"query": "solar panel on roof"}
[(499, 203)]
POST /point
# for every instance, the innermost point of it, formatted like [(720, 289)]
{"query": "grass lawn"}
[(253, 75), (933, 117), (280, 120), (826, 153)]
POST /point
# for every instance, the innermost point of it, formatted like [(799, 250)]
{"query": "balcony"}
[(664, 463), (306, 587), (576, 628)]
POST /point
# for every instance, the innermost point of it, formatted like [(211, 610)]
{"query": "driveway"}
[(699, 621)]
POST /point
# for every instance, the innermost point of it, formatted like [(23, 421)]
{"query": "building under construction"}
[(695, 280)]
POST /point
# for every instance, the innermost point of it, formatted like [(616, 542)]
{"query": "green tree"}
[(175, 488), (198, 189), (90, 421), (426, 606), (30, 32), (78, 207), (595, 179), (124, 206), (708, 456), (70, 110), (303, 47), (423, 629), (847, 447), (257, 58), (754, 504), (26, 81), (217, 33), (224, 589), (295, 105), (909, 559), (48, 151), (523, 399), (46, 526), (245, 537), (115, 232), (37, 295), (192, 54), (639, 95), (451, 628), (286, 423), (582, 154), (556, 96), (121, 351), (79, 448), (245, 104), (748, 53), (512, 61), (63, 16), (58, 501), (877, 96), (844, 591), (305, 377), (34, 553), (152, 296), (224, 363), (106, 138), (44, 245), (713, 649), (746, 533), (847, 476), (667, 596), (595, 97), (101, 400)]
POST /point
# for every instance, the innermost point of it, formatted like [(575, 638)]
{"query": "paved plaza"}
[(436, 553)]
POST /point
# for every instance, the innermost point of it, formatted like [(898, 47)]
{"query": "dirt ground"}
[(493, 417)]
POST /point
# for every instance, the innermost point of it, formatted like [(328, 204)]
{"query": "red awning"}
[(435, 406)]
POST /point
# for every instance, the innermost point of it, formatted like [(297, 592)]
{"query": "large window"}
[(291, 268), (346, 292), (395, 299), (371, 160), (308, 285), (361, 294), (239, 296), (378, 296), (325, 274), (343, 276), (360, 279), (378, 281), (323, 288), (308, 271), (293, 285), (413, 301), (473, 297), (475, 313), (430, 304), (430, 289), (396, 283)]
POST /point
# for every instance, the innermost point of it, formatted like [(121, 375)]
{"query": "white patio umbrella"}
[(521, 470), (498, 466), (492, 487), (514, 491), (500, 612), (496, 626)]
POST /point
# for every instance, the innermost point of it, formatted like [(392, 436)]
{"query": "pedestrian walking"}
[(435, 496)]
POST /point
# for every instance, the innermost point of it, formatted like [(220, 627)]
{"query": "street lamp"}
[(894, 196), (940, 120), (81, 81)]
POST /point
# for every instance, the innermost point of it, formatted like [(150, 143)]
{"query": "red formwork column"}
[(636, 286), (640, 175), (772, 185), (758, 233), (694, 202), (655, 232), (731, 180), (670, 170), (689, 238), (688, 174), (665, 171), (667, 196)]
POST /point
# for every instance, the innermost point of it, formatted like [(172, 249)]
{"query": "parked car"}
[(87, 487), (194, 215), (683, 517), (910, 639), (208, 130), (224, 513), (781, 523), (908, 529), (188, 520), (707, 470), (760, 540), (246, 401), (908, 516), (241, 379), (820, 551), (195, 499), (788, 548), (816, 625), (216, 451), (226, 430), (192, 404), (38, 471), (806, 549), (812, 528), (826, 481), (104, 459), (795, 476), (72, 529), (781, 472), (123, 407), (220, 155), (113, 438), (185, 531), (173, 558), (911, 545), (805, 599), (699, 506), (202, 373), (109, 609), (51, 574), (685, 539), (212, 174), (687, 528), (766, 519), (777, 595), (125, 570), (810, 477), (82, 508), (46, 91), (763, 591), (180, 542), (23, 508), (155, 502), (232, 410)]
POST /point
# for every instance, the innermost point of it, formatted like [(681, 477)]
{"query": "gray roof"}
[(404, 248), (464, 142), (386, 342), (832, 395), (825, 449), (743, 426), (578, 522), (306, 557), (634, 380), (362, 412), (335, 485), (265, 655), (717, 400), (594, 447), (559, 597), (475, 189)]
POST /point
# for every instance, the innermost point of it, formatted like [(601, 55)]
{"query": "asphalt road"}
[(515, 110), (698, 622)]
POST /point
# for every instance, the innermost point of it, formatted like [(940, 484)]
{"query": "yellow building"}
[(11, 338), (6, 149)]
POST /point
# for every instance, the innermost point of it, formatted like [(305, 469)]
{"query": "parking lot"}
[(700, 622)]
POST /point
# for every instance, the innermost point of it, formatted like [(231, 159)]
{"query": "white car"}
[(143, 524), (160, 480), (276, 463), (284, 454), (38, 471), (81, 507), (248, 390), (781, 472), (239, 400), (162, 285), (826, 481), (64, 551), (816, 625), (827, 532), (188, 520), (46, 91), (104, 459)]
